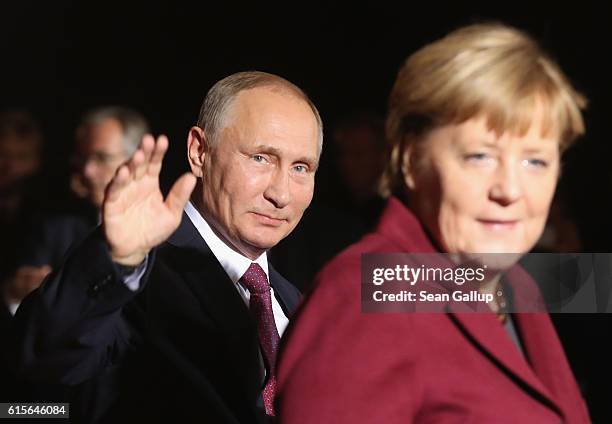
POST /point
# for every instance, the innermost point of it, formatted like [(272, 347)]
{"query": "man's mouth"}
[(269, 219)]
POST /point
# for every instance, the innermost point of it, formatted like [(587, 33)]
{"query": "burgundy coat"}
[(340, 365)]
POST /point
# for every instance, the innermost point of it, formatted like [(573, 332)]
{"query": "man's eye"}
[(259, 158), (300, 168), (475, 157)]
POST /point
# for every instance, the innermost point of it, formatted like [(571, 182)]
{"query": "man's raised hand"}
[(135, 216)]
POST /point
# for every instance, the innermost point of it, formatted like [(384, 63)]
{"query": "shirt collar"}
[(234, 263)]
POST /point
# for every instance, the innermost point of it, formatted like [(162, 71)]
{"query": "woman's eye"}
[(538, 163)]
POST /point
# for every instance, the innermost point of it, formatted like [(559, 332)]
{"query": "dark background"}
[(61, 57)]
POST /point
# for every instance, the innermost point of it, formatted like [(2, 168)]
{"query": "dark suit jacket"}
[(44, 239), (49, 236), (182, 349), (340, 365)]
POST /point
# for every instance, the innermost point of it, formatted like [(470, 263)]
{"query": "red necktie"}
[(260, 305)]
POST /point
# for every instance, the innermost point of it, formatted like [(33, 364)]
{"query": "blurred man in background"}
[(105, 138)]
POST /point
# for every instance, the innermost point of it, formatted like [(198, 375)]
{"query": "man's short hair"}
[(220, 97), (133, 124)]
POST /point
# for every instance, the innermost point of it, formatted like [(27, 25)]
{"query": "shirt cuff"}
[(12, 307), (132, 280)]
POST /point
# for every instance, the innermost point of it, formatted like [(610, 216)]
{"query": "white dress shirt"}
[(235, 264)]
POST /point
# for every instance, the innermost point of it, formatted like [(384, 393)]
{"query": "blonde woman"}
[(477, 123)]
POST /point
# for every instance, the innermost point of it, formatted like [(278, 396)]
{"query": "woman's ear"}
[(196, 150), (408, 167)]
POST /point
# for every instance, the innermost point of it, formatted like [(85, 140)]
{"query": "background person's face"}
[(19, 159), (100, 151), (260, 178), (361, 160), (479, 193)]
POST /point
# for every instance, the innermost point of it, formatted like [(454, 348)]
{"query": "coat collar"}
[(399, 225)]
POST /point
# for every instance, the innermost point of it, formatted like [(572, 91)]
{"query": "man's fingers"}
[(146, 147), (161, 146), (147, 139), (180, 192), (136, 163), (119, 181)]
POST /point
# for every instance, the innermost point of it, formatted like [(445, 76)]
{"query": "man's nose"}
[(507, 184), (278, 191), (90, 168)]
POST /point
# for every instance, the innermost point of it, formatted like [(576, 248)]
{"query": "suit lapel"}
[(210, 283), (284, 293)]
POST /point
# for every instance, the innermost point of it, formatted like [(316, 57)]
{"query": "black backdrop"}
[(60, 57)]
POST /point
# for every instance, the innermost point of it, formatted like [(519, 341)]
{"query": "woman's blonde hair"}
[(484, 69)]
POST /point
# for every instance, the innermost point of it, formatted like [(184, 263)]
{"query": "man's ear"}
[(196, 150), (408, 165)]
